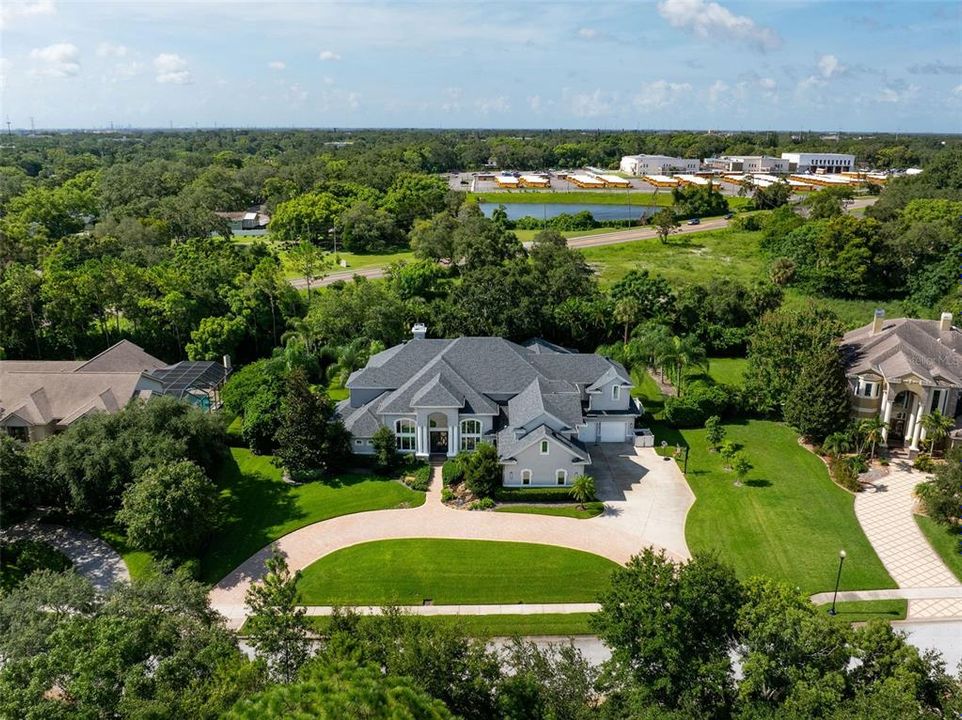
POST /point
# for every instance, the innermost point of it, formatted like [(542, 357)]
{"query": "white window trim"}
[(544, 448), (526, 475), (616, 392), (563, 478), (407, 435), (470, 438)]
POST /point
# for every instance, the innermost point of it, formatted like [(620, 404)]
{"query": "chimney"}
[(419, 331), (878, 321), (945, 322)]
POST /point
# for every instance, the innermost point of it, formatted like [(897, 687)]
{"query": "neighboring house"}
[(903, 369), (253, 221), (540, 404), (41, 397)]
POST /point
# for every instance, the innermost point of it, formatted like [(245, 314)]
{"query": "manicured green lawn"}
[(863, 611), (140, 563), (528, 235), (945, 541), (788, 521), (856, 313), (647, 391), (262, 507), (563, 624), (727, 371), (592, 509), (694, 258), (354, 261), (453, 572)]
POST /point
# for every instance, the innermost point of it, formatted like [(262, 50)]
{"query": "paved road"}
[(885, 514), (617, 534), (91, 557)]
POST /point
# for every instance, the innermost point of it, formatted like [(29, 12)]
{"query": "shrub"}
[(728, 450), (942, 495), (386, 455), (482, 471), (447, 495), (702, 399), (924, 463), (552, 494), (485, 503), (420, 479), (28, 556), (843, 473), (714, 432), (452, 472), (859, 463)]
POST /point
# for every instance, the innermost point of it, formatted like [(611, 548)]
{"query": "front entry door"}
[(439, 442)]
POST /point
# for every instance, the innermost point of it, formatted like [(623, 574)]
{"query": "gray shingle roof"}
[(437, 393), (362, 421), (510, 445), (559, 399), (906, 346)]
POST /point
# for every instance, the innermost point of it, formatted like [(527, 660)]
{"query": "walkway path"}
[(92, 558), (886, 517), (638, 518)]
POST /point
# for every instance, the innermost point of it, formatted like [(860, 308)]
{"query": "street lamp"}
[(841, 560), (333, 231)]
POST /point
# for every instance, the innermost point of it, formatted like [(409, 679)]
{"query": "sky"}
[(678, 64)]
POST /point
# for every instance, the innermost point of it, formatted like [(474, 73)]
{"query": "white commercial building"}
[(748, 164), (819, 162), (655, 164)]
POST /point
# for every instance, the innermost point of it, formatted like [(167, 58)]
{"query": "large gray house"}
[(541, 405), (901, 370)]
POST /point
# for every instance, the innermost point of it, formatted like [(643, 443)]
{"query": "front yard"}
[(945, 541), (788, 521), (261, 507), (453, 572)]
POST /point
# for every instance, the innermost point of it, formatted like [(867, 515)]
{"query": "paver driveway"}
[(886, 516), (647, 499)]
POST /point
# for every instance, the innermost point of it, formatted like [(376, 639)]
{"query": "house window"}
[(470, 434), (866, 388), (561, 476), (936, 400), (358, 442), (525, 477), (19, 433), (616, 392), (544, 447), (404, 432)]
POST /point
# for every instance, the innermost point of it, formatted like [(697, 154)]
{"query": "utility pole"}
[(32, 128), (9, 131)]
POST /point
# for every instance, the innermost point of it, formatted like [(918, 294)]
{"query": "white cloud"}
[(172, 69), (897, 91), (5, 66), (296, 94), (11, 10), (812, 81), (767, 84), (829, 65), (709, 20), (718, 92), (276, 65), (354, 100), (328, 55), (588, 33), (957, 90), (534, 102), (106, 49), (57, 60), (659, 94), (593, 104), (497, 104), (452, 101)]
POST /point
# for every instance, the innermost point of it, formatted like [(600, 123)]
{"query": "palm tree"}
[(680, 353), (627, 311), (937, 427), (838, 443), (872, 431), (583, 489)]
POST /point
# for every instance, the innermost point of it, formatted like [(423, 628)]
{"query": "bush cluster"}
[(701, 401), (844, 472), (420, 479)]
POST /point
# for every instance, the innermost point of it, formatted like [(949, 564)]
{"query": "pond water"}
[(550, 210)]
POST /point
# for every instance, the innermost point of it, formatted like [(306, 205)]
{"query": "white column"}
[(887, 416), (454, 439), (917, 430), (421, 440)]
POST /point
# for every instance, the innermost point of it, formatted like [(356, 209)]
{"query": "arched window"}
[(404, 432), (525, 477), (561, 476), (470, 434)]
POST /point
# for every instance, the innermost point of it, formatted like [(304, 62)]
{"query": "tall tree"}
[(665, 223), (277, 628), (309, 438), (309, 261), (819, 402)]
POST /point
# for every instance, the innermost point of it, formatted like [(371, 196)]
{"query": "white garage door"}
[(613, 432)]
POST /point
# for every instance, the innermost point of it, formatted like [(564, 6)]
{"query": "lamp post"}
[(841, 560), (333, 231)]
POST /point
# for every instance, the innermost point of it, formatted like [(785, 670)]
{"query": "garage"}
[(612, 431)]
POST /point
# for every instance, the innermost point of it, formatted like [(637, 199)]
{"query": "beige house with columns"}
[(903, 369)]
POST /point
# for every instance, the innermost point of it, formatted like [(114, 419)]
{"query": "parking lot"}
[(469, 182)]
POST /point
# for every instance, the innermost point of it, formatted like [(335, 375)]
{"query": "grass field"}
[(262, 507), (945, 541), (563, 624), (727, 371), (528, 235), (453, 572), (592, 509), (864, 611), (788, 521), (647, 391), (354, 261), (693, 258)]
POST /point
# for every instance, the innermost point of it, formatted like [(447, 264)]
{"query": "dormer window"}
[(616, 392), (867, 388), (544, 447)]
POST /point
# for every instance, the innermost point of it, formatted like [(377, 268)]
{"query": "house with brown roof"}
[(41, 397), (901, 370)]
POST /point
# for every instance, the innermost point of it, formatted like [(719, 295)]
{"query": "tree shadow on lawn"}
[(758, 483)]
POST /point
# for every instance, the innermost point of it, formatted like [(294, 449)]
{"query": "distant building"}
[(819, 162), (41, 397), (252, 221), (657, 164), (748, 164)]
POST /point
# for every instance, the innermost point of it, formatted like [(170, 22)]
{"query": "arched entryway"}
[(903, 408), (438, 433)]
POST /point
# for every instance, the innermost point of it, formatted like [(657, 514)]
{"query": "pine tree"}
[(818, 403)]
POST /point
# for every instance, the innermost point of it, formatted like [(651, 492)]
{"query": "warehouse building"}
[(819, 162), (748, 164), (658, 164)]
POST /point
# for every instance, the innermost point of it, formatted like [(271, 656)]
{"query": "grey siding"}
[(603, 401), (542, 467)]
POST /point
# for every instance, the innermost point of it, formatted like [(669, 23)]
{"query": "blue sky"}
[(671, 64)]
